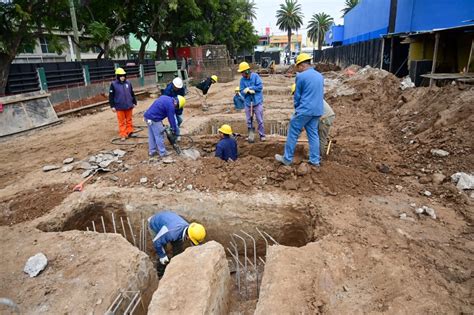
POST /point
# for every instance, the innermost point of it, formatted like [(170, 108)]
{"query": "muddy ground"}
[(379, 168)]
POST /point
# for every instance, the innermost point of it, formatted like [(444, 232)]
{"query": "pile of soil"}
[(30, 204), (68, 105), (325, 67)]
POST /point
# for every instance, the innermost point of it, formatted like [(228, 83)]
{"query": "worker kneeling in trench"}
[(168, 227)]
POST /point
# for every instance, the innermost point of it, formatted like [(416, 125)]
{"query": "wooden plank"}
[(470, 56), (435, 57)]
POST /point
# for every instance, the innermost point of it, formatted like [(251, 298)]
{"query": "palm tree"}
[(248, 7), (289, 17), (349, 5), (318, 26)]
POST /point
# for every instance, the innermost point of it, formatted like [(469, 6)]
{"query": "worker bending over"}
[(226, 148), (204, 86), (163, 107), (169, 228), (174, 89)]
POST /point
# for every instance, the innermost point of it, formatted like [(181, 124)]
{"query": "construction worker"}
[(226, 148), (163, 107), (325, 123), (251, 86), (204, 86), (168, 227), (239, 100), (122, 101), (174, 89), (308, 102)]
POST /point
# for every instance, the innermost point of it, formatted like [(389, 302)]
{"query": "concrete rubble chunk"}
[(168, 160), (427, 193), (67, 168), (207, 268), (189, 187), (464, 181), (35, 264), (192, 154), (68, 160), (86, 173), (143, 180), (426, 210), (105, 163), (48, 168), (406, 83), (439, 152), (119, 153), (84, 166)]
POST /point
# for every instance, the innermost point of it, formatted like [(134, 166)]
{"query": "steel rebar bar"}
[(113, 222), (264, 238), (103, 223), (93, 226), (234, 245), (131, 231), (123, 228), (254, 257), (87, 228), (131, 304), (271, 238), (245, 264)]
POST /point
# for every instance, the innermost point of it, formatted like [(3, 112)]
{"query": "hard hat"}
[(120, 71), (196, 233), (243, 66), (178, 83), (302, 57), (214, 78), (237, 89), (181, 101), (225, 129), (293, 88)]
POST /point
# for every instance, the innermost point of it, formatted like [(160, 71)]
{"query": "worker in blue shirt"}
[(239, 101), (174, 89), (308, 102), (168, 227), (163, 107), (251, 86), (226, 148)]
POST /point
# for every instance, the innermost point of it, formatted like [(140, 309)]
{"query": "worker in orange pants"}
[(122, 101)]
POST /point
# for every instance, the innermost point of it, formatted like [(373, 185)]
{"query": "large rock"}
[(195, 282)]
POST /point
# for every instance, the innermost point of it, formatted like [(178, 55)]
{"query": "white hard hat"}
[(177, 82)]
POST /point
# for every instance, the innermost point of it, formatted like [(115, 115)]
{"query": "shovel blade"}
[(251, 136)]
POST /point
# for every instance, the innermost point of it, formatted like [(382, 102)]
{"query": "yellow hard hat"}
[(196, 233), (302, 57), (181, 101), (120, 71), (293, 88), (237, 89), (225, 129), (214, 78), (243, 66)]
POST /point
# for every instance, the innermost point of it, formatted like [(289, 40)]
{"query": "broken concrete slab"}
[(207, 293), (67, 168), (48, 168), (68, 160), (105, 163), (192, 154), (119, 153), (84, 165), (464, 181), (35, 264), (439, 153)]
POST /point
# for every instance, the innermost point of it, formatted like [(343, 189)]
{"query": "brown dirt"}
[(68, 105), (32, 203), (372, 175)]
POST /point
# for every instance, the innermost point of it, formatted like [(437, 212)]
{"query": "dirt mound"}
[(68, 105), (31, 204), (325, 67)]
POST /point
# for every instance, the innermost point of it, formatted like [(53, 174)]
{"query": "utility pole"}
[(77, 50)]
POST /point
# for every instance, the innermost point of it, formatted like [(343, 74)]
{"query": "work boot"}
[(123, 139), (315, 167), (282, 160), (263, 139)]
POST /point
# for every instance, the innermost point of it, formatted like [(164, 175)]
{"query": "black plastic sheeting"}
[(362, 54)]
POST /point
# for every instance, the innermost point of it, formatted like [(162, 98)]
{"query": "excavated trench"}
[(287, 223)]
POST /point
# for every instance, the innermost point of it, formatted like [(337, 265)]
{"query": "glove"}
[(164, 260), (148, 121), (252, 91), (246, 90)]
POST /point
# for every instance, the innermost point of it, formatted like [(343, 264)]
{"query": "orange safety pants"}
[(125, 122)]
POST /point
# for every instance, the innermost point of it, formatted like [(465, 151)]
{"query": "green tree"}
[(318, 26), (249, 10), (289, 17), (22, 22), (349, 5)]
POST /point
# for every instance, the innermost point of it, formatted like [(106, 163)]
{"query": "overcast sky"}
[(266, 11)]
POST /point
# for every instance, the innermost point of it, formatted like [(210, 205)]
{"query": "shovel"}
[(80, 186), (252, 129)]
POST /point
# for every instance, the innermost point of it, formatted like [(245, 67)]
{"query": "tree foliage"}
[(349, 5), (318, 27), (289, 17)]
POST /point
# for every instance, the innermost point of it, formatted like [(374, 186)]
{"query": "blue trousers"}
[(310, 124), (156, 142)]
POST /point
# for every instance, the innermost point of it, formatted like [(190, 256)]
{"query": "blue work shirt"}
[(170, 91), (169, 227), (162, 108), (253, 83), (309, 93), (239, 101), (227, 149), (121, 95)]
